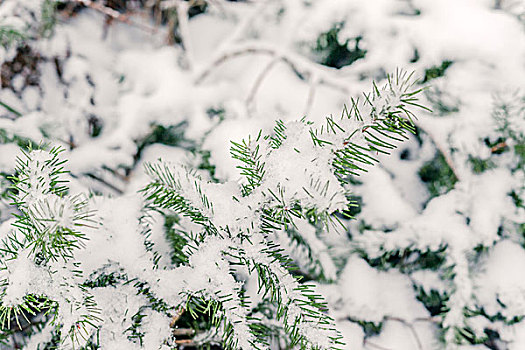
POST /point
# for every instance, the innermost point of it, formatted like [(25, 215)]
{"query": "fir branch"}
[(275, 195), (48, 228), (252, 167), (167, 191)]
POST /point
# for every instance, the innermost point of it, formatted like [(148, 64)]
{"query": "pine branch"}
[(47, 229), (296, 172)]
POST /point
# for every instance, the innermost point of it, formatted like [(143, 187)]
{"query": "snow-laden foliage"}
[(299, 172), (488, 212), (48, 270), (434, 257)]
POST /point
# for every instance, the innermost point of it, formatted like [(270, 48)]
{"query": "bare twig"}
[(183, 332), (410, 326), (311, 94), (182, 8), (302, 67), (242, 28), (250, 106), (176, 317), (366, 342), (115, 15), (122, 177), (498, 147), (105, 183), (432, 319)]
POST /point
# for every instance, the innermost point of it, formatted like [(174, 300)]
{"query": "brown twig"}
[(182, 8), (176, 317), (498, 147), (183, 332), (115, 15), (431, 319), (188, 342)]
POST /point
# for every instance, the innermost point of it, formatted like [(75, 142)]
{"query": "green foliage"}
[(372, 125), (22, 142), (10, 36), (509, 115), (354, 207), (39, 220), (171, 135), (177, 239), (407, 260), (174, 135), (434, 301), (105, 278), (390, 124), (252, 168), (47, 232), (6, 180), (166, 191), (207, 165), (509, 110), (437, 175), (95, 126), (441, 101), (480, 165), (49, 227), (48, 18), (436, 71), (332, 52), (315, 269), (488, 337), (10, 109), (370, 328)]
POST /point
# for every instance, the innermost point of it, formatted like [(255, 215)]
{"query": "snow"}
[(373, 295), (508, 288), (131, 81), (8, 161), (382, 204)]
